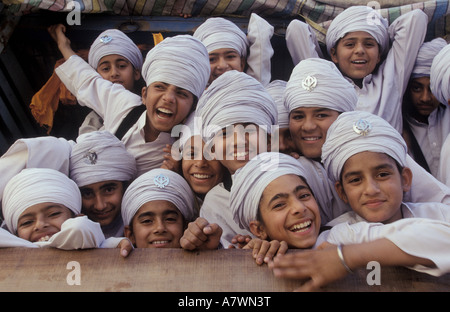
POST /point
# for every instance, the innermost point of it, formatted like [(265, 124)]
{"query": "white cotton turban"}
[(355, 132), (440, 75), (34, 186), (250, 181), (114, 41), (220, 33), (181, 61), (235, 97), (359, 18), (100, 156), (424, 59), (158, 184), (276, 90), (316, 82)]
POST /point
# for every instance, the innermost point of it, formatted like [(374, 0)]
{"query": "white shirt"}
[(444, 166), (113, 102), (431, 136)]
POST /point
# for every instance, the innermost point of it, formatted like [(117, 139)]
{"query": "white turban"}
[(359, 18), (158, 184), (100, 156), (276, 90), (425, 57), (114, 41), (181, 61), (34, 186), (440, 75), (235, 97), (355, 132), (250, 181), (220, 33), (316, 82)]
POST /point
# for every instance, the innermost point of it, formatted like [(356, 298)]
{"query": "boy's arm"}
[(301, 42)]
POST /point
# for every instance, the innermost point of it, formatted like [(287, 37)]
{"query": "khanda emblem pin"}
[(362, 127), (105, 39), (90, 157), (309, 83), (161, 180)]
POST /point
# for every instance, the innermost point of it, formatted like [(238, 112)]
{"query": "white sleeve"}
[(301, 42), (10, 240), (109, 100), (259, 34), (76, 233), (444, 164), (420, 237)]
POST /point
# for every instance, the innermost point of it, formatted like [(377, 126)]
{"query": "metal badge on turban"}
[(362, 127), (106, 39), (90, 157), (309, 83), (161, 180)]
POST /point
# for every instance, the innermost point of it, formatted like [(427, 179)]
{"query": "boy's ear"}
[(333, 55), (129, 234), (144, 94), (407, 177), (136, 74), (258, 230), (340, 190)]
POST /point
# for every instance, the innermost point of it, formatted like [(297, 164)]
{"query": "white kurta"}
[(382, 92), (431, 136), (216, 209), (113, 102), (444, 166), (416, 235)]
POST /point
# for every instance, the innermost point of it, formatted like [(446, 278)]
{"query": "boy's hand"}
[(240, 240), (264, 251), (201, 235), (125, 247), (57, 32)]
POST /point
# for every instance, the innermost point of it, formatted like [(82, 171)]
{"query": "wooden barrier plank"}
[(176, 270)]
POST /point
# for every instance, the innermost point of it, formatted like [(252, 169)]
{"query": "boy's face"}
[(423, 101), (157, 224), (285, 142), (41, 221), (289, 212), (356, 54), (102, 201), (237, 144), (223, 60), (373, 186), (118, 69), (167, 105), (201, 174), (308, 127)]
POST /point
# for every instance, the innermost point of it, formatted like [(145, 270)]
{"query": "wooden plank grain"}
[(176, 270)]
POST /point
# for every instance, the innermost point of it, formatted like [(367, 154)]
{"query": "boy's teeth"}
[(44, 238), (241, 154), (165, 111), (160, 242), (301, 226), (201, 176)]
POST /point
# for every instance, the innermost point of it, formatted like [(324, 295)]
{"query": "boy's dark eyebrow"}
[(382, 166), (119, 59), (281, 195), (51, 205), (107, 185), (152, 214)]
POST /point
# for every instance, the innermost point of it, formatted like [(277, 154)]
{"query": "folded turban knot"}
[(440, 75), (355, 132), (158, 184), (276, 90), (316, 82), (427, 52), (34, 186), (233, 98), (114, 41), (100, 156), (181, 61), (359, 18), (220, 33), (250, 181)]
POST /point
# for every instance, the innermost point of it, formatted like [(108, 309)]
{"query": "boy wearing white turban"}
[(116, 58), (426, 121), (39, 206), (376, 58), (175, 71), (102, 168), (237, 114), (156, 208), (230, 48)]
